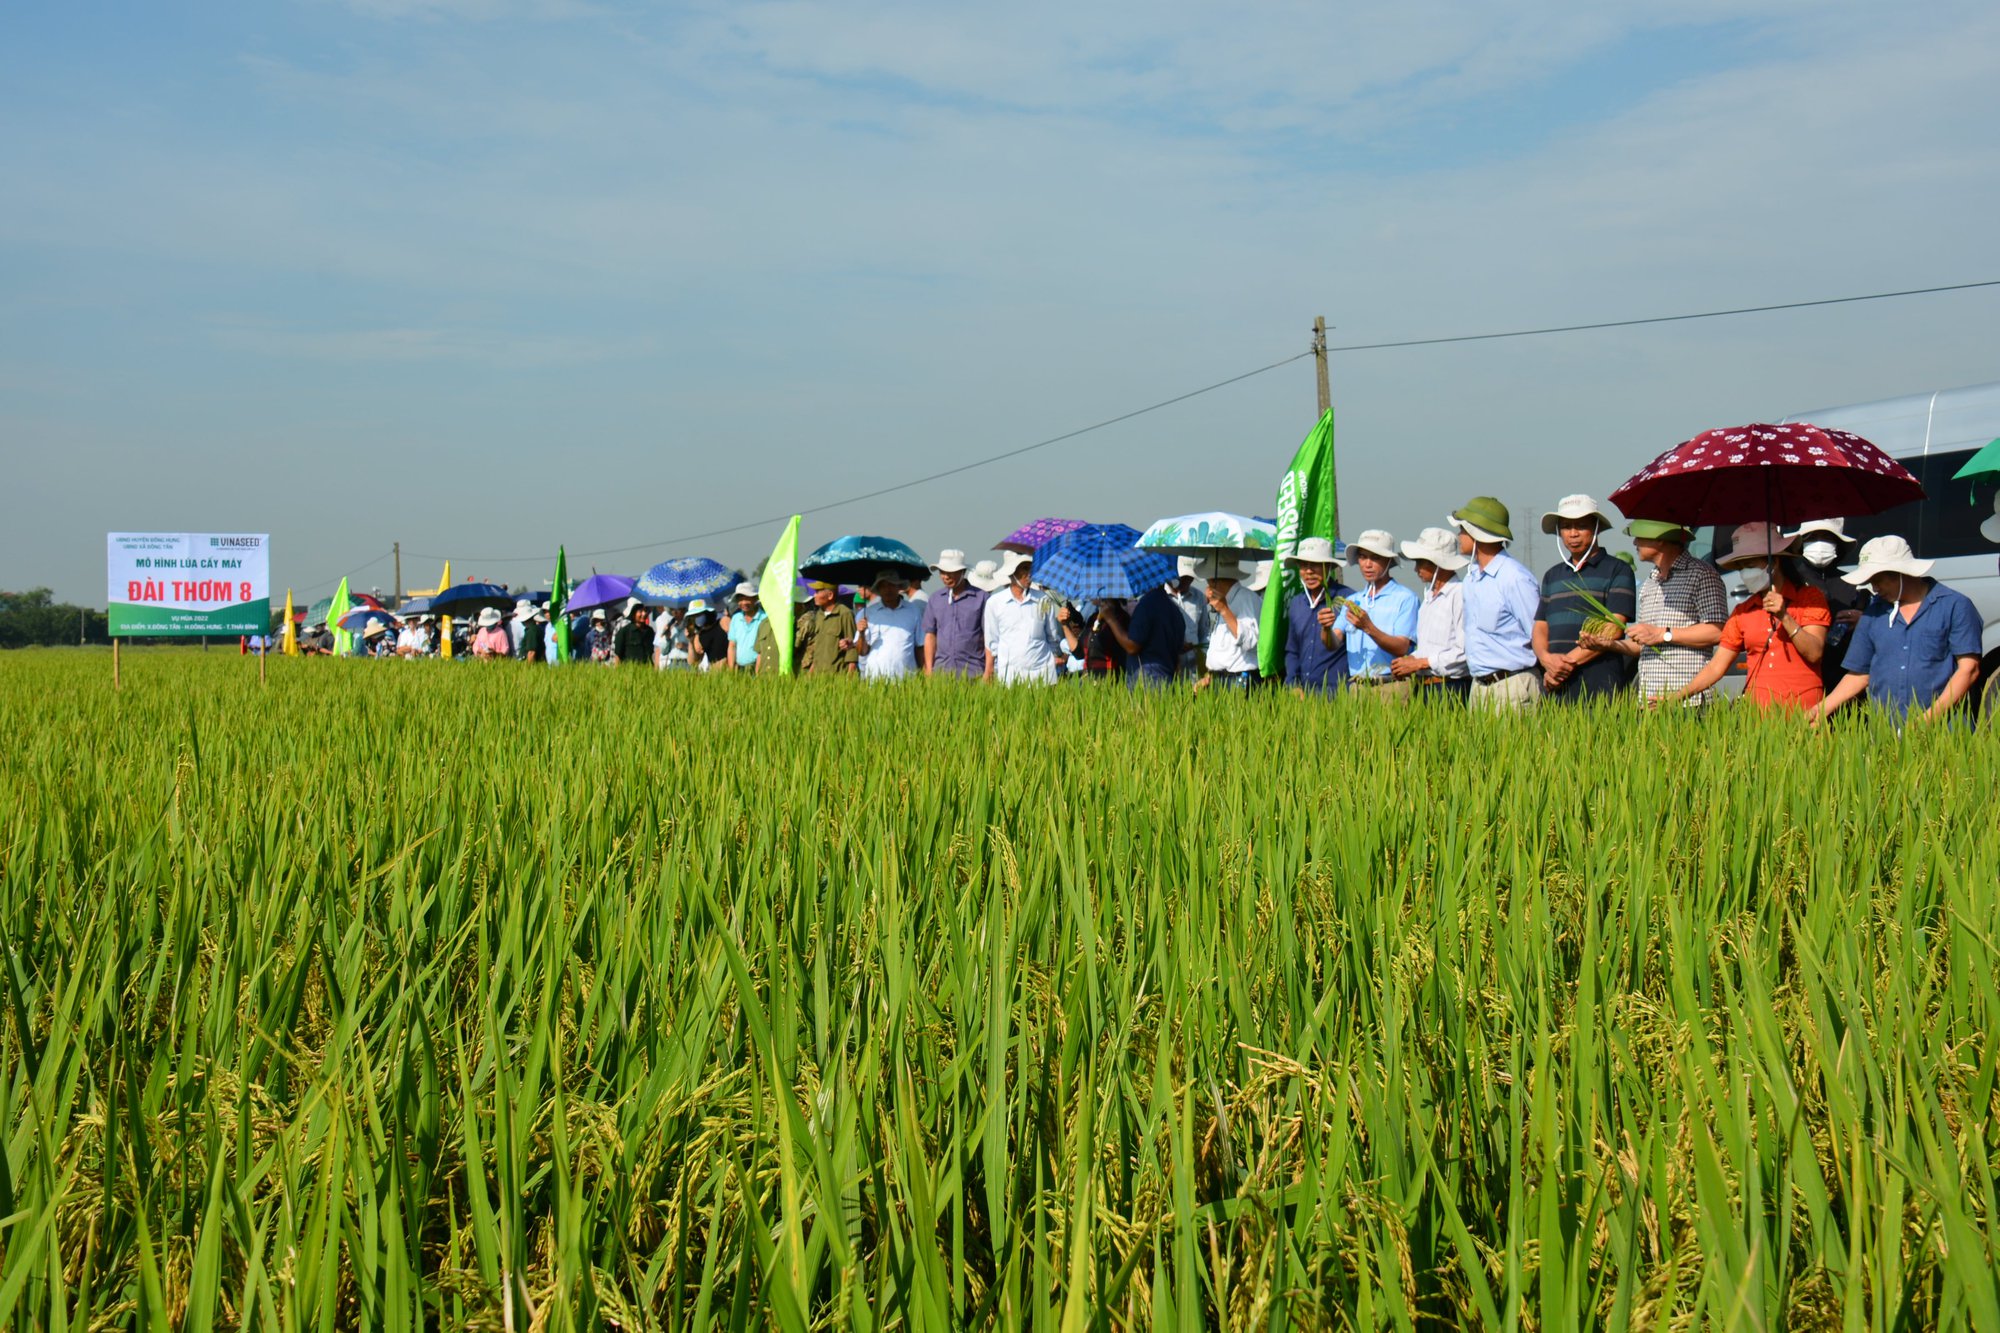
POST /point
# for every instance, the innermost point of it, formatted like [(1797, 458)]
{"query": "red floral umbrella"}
[(1778, 474)]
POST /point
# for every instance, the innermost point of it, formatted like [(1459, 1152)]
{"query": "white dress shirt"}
[(1023, 637), (892, 635), (1441, 630), (1237, 652)]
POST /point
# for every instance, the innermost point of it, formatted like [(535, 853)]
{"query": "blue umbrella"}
[(415, 606), (680, 581), (595, 591), (1100, 561), (361, 617), (859, 560), (466, 599)]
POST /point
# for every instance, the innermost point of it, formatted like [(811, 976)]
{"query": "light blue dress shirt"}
[(1500, 603), (1394, 610)]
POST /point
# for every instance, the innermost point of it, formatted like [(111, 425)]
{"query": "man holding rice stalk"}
[(1915, 651), (1381, 618), (1500, 601), (1436, 666), (1315, 635), (1588, 588), (1681, 609)]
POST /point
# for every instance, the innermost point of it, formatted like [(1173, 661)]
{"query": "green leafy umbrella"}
[(1984, 463)]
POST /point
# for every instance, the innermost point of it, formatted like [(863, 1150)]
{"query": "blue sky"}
[(487, 275)]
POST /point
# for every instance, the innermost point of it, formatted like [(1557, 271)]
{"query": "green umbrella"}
[(1984, 463)]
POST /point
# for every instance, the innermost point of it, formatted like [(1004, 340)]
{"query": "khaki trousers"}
[(1523, 689)]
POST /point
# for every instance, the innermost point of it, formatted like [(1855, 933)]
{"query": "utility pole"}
[(1319, 361), (1325, 405), (399, 573)]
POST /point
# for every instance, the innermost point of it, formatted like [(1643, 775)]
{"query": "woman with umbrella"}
[(1781, 626)]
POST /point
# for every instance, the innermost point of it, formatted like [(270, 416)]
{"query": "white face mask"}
[(1756, 580), (1819, 554)]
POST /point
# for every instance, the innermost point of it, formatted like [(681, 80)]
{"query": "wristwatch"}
[(1669, 636)]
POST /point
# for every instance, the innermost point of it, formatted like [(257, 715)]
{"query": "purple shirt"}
[(956, 619)]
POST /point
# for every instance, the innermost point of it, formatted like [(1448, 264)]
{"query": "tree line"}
[(34, 618)]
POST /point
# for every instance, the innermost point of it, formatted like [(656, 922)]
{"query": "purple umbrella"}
[(598, 590), (1030, 535)]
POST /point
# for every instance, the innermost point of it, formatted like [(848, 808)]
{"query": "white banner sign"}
[(171, 583)]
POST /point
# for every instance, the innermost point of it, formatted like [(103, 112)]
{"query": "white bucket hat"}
[(523, 608), (490, 616), (1312, 551), (949, 561), (746, 590), (1887, 555), (1754, 542), (985, 576), (698, 606), (1835, 528), (1252, 575), (1437, 545), (1990, 529), (1012, 561), (1186, 567), (1374, 541), (1573, 507)]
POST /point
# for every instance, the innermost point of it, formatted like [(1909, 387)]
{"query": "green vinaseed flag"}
[(343, 641), (558, 597), (774, 590), (1307, 507)]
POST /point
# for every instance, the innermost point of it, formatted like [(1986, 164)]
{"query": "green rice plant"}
[(470, 995)]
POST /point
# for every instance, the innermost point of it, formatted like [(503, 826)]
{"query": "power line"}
[(1210, 388), (1660, 319)]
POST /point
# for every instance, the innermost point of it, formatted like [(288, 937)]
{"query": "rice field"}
[(435, 995)]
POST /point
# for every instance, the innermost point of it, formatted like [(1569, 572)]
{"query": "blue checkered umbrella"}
[(684, 579), (1100, 561)]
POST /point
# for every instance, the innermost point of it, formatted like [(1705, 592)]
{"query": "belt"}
[(1371, 680), (1495, 677)]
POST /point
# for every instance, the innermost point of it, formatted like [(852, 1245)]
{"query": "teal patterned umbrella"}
[(858, 560)]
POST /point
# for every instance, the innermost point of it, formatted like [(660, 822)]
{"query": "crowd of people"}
[(1478, 628)]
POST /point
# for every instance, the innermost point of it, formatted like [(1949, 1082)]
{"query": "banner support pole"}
[(114, 665)]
